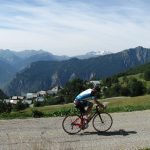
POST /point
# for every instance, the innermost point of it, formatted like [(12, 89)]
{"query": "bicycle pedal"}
[(85, 127)]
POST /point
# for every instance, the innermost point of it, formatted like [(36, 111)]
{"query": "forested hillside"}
[(45, 74)]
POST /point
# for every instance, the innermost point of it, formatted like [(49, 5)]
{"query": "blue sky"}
[(73, 27)]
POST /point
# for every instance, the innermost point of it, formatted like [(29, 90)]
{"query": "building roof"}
[(95, 82)]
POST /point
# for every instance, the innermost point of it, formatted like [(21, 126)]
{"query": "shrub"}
[(20, 106), (136, 87), (72, 89), (37, 114), (147, 75), (114, 90), (2, 95), (5, 107), (148, 90), (38, 104), (124, 91), (54, 100)]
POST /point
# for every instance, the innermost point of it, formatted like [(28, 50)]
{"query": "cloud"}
[(69, 27)]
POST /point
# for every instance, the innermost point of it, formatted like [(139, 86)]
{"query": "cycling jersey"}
[(85, 95)]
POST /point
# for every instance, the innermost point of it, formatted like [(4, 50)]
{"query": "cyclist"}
[(82, 101)]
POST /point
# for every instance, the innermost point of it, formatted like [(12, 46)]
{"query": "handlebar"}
[(98, 107)]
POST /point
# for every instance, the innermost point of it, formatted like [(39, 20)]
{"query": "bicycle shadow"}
[(121, 132)]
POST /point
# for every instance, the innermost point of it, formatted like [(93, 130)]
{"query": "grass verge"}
[(122, 104)]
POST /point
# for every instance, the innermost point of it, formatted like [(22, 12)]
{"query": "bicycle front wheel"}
[(102, 122), (72, 124)]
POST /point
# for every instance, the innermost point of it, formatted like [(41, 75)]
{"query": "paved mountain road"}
[(129, 131)]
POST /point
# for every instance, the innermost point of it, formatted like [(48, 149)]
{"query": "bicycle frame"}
[(77, 124), (80, 125), (97, 112)]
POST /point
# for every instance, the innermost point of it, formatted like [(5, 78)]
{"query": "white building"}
[(54, 90), (41, 93), (7, 100), (20, 97), (17, 97), (14, 101), (31, 95), (27, 101), (39, 99), (14, 97), (95, 82)]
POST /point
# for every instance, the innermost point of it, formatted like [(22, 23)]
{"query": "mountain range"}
[(12, 62), (41, 75)]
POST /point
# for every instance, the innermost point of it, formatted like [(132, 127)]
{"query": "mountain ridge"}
[(44, 74), (16, 61)]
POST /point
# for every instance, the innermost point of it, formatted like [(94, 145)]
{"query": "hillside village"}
[(30, 97)]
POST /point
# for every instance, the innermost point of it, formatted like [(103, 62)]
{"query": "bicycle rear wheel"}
[(72, 124), (102, 122)]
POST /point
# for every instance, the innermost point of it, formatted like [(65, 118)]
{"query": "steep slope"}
[(44, 74), (2, 95), (6, 72), (136, 70), (12, 62), (34, 58)]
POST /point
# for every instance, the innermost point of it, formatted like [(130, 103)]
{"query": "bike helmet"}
[(97, 87)]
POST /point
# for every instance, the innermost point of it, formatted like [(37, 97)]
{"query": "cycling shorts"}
[(82, 104)]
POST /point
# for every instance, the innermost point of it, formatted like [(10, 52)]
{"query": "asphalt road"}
[(130, 131)]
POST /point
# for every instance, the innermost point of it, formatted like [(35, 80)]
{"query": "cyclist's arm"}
[(99, 103)]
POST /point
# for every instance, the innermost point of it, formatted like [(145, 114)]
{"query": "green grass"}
[(148, 84), (126, 104), (122, 104)]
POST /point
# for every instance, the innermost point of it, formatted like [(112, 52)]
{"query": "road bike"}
[(101, 121)]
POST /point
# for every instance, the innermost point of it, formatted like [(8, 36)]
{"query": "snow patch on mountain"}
[(93, 54), (98, 53)]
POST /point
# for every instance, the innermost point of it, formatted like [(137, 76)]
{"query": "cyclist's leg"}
[(80, 106), (89, 106)]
